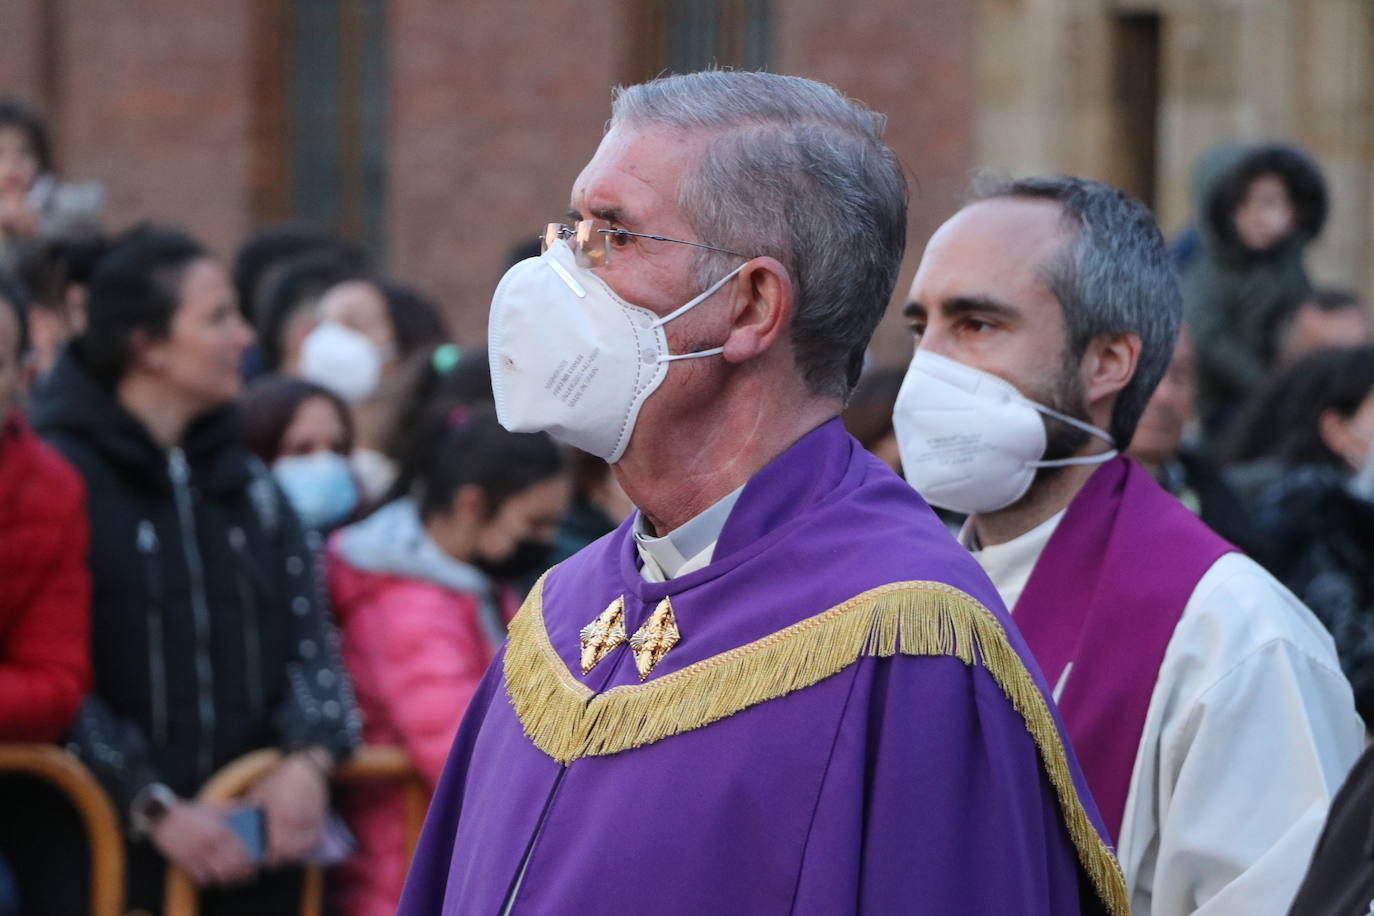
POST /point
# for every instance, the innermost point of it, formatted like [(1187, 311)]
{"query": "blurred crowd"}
[(264, 504), (268, 504)]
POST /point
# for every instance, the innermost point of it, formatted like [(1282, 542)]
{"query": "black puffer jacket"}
[(209, 632), (1322, 538), (1233, 296)]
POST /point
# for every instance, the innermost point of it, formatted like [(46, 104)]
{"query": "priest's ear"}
[(760, 309), (1108, 365)]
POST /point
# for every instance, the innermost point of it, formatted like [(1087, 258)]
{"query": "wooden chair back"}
[(103, 837), (367, 764)]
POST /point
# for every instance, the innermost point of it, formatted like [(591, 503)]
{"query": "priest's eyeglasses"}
[(593, 240)]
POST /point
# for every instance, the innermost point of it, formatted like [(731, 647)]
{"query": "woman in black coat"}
[(1304, 448), (210, 636)]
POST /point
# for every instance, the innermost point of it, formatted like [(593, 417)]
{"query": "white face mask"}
[(971, 442), (1362, 484), (343, 360), (376, 472), (571, 358)]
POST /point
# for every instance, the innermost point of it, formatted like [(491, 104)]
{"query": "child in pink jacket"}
[(417, 587)]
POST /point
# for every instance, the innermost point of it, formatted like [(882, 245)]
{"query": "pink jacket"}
[(416, 650)]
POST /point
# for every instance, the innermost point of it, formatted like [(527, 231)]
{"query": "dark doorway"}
[(1135, 41), (320, 126), (680, 36)]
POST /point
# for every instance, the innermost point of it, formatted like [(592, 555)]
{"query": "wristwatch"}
[(321, 758), (149, 806)]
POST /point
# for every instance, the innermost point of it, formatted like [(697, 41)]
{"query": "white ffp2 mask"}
[(343, 360), (571, 358), (969, 441)]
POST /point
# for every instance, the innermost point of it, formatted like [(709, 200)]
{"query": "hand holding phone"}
[(198, 838), (295, 797)]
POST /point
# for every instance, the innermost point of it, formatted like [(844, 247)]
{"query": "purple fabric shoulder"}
[(1100, 608)]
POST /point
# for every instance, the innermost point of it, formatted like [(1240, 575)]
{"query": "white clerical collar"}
[(1010, 565), (687, 547)]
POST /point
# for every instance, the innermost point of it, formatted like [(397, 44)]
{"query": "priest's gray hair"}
[(1114, 276), (797, 172)]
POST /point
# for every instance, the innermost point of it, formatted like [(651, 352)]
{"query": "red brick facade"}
[(151, 98), (493, 109)]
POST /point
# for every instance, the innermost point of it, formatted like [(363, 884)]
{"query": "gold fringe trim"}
[(567, 721)]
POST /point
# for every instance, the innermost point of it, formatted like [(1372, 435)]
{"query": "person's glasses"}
[(592, 240)]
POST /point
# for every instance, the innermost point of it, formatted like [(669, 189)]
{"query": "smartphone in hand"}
[(250, 823)]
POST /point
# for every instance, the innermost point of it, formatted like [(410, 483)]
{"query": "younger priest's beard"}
[(1061, 439)]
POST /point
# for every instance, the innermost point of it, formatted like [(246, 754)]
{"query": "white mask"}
[(343, 360), (376, 472), (1362, 484), (971, 442), (571, 358)]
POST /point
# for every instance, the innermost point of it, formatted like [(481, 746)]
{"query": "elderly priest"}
[(780, 686)]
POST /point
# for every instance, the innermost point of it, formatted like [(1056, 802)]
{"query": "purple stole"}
[(1105, 598)]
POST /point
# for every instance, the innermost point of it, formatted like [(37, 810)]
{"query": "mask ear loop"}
[(1070, 462), (682, 310), (714, 351), (671, 357), (1087, 428)]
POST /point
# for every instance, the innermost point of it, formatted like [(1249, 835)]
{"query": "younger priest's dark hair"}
[(1114, 276)]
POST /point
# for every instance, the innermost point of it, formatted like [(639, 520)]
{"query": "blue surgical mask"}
[(320, 487)]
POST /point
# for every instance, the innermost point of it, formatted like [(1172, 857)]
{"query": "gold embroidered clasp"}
[(653, 640), (603, 634)]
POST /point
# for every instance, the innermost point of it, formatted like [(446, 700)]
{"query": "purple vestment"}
[(1105, 597), (899, 782)]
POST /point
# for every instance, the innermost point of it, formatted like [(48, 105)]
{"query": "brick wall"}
[(913, 61), (493, 114), (152, 99), (493, 110), (20, 49)]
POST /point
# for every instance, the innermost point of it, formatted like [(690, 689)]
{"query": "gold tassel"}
[(567, 721)]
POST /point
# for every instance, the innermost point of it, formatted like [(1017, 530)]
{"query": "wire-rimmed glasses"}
[(593, 239)]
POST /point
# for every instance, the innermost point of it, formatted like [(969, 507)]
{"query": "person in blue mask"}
[(304, 433)]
